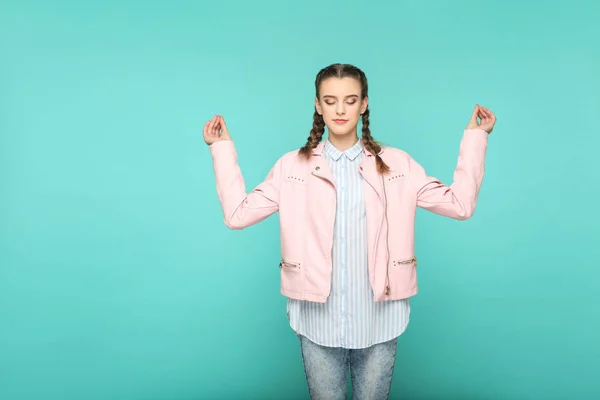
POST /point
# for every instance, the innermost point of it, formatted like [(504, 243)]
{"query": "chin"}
[(337, 131)]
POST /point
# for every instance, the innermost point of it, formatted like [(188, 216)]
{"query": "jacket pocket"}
[(292, 275), (403, 275)]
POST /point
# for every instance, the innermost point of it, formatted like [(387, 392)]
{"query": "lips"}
[(340, 121)]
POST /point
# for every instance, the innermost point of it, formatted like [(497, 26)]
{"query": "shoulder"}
[(400, 160), (393, 151), (289, 156), (395, 157), (288, 159)]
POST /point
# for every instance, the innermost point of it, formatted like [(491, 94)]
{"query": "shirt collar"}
[(351, 153)]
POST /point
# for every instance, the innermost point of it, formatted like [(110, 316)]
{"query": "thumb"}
[(475, 114)]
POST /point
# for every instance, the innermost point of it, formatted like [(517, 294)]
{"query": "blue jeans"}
[(326, 370)]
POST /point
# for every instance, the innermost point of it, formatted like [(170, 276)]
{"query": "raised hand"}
[(486, 117), (215, 130)]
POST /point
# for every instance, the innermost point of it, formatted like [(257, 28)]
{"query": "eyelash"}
[(350, 102)]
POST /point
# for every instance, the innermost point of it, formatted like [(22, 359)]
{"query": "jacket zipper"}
[(388, 289), (409, 261), (287, 264), (333, 233), (380, 225)]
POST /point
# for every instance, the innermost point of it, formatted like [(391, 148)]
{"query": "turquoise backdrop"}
[(118, 278)]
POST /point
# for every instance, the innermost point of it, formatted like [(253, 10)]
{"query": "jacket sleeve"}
[(459, 199), (241, 209)]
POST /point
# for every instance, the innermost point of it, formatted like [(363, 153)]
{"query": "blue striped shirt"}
[(350, 318)]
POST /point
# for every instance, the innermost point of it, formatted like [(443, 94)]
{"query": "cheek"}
[(355, 109), (353, 112), (329, 112)]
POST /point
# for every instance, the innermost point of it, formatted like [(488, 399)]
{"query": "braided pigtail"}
[(370, 143), (316, 134)]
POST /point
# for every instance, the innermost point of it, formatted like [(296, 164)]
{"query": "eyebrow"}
[(334, 97)]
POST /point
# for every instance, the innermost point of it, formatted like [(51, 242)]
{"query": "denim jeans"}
[(326, 370)]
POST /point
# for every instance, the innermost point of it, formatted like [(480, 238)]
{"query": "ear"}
[(365, 104), (318, 106)]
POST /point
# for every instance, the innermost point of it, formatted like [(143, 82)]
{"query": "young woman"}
[(347, 212)]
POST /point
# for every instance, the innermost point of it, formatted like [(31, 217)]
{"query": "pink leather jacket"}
[(304, 193)]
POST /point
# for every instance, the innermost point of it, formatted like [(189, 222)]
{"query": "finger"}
[(481, 114), (218, 126), (488, 113), (224, 126), (212, 125), (484, 118), (208, 128)]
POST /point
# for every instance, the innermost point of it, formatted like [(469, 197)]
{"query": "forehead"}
[(340, 87)]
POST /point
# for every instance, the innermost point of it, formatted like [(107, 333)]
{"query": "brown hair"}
[(318, 129)]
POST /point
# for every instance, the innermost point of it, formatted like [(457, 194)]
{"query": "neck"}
[(343, 142)]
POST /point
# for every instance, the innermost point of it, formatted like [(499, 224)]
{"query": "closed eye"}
[(348, 102)]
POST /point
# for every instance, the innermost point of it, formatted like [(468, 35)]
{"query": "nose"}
[(339, 110)]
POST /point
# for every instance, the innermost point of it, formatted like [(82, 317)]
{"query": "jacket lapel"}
[(368, 170), (322, 170), (319, 165)]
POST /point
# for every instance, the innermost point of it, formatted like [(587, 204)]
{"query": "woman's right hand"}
[(216, 130)]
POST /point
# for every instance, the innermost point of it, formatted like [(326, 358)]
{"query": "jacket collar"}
[(335, 154), (318, 151), (368, 169)]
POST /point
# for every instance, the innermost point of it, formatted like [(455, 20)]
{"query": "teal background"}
[(118, 279)]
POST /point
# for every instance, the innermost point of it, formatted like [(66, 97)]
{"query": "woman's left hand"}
[(486, 117)]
